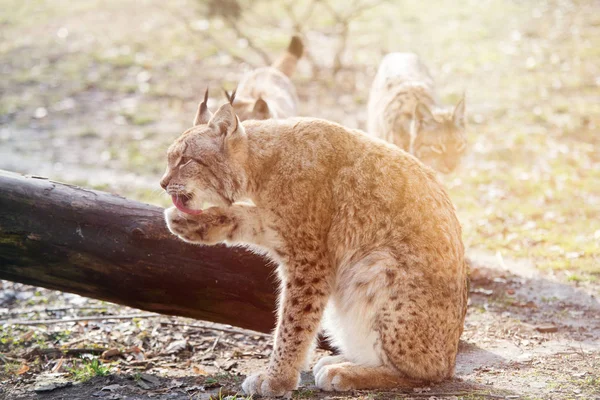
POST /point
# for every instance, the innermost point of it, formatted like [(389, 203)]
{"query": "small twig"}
[(214, 345), (219, 329), (76, 319), (54, 352), (48, 310)]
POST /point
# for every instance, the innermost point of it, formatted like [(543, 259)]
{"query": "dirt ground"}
[(526, 336), (93, 92)]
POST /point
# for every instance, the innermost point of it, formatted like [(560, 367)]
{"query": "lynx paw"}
[(214, 225), (327, 360), (332, 378), (264, 384)]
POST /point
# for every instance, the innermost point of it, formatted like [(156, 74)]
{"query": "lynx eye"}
[(184, 161), (437, 149)]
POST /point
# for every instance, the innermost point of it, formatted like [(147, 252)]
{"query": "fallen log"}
[(104, 246)]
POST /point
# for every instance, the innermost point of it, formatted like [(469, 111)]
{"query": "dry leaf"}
[(176, 346), (110, 353), (24, 368), (198, 370)]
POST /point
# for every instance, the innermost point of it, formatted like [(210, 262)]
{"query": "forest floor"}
[(93, 93)]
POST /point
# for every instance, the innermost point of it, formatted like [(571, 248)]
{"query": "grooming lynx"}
[(366, 239), (403, 110), (268, 92)]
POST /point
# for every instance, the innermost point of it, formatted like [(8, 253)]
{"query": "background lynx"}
[(268, 92), (403, 110), (383, 273)]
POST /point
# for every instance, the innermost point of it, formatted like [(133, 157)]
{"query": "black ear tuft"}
[(205, 96), (204, 104), (230, 97), (203, 114)]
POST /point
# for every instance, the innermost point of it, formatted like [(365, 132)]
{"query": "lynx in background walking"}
[(366, 240), (268, 92), (403, 110)]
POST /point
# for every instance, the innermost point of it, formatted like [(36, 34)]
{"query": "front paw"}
[(212, 226), (269, 385)]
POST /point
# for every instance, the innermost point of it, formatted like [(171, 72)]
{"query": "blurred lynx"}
[(268, 92), (403, 110), (366, 240)]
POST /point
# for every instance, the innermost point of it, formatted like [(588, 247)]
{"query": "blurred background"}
[(93, 92)]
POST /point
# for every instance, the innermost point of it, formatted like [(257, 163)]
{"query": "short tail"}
[(288, 60)]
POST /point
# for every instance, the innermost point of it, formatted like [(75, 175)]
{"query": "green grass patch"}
[(86, 369)]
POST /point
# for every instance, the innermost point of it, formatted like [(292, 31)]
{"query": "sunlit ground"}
[(94, 91)]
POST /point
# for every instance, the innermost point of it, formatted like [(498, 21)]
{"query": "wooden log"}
[(106, 247)]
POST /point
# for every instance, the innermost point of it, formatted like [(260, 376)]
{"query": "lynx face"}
[(203, 163), (438, 138)]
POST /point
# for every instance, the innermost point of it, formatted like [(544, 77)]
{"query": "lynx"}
[(268, 92), (403, 110), (366, 240)]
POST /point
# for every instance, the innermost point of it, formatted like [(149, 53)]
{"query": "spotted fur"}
[(366, 240), (403, 110)]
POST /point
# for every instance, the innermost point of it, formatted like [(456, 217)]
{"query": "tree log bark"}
[(104, 246)]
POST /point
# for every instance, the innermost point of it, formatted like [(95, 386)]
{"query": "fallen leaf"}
[(111, 388), (24, 368), (198, 370), (230, 365), (110, 353), (26, 336), (143, 384), (176, 346)]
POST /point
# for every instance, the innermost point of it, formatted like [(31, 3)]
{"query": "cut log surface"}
[(104, 246)]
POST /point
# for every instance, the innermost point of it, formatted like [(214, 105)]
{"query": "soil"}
[(522, 331)]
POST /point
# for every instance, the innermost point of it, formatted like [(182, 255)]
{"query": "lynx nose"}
[(164, 182), (450, 164)]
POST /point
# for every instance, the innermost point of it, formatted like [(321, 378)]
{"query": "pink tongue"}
[(179, 204)]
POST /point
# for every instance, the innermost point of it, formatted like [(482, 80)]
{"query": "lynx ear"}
[(225, 120), (458, 116), (203, 115), (423, 114), (261, 109)]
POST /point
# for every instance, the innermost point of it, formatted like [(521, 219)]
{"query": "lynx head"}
[(205, 164), (438, 137), (247, 109)]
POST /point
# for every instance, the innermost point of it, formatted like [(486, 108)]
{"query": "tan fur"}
[(403, 110), (268, 92), (366, 241)]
